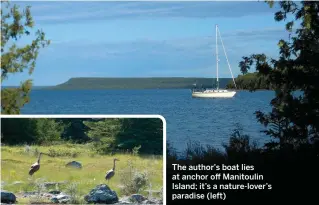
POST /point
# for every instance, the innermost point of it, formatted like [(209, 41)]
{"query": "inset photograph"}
[(82, 159)]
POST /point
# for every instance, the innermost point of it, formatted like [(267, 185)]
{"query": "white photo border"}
[(109, 117)]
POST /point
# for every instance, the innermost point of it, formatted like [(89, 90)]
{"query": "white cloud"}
[(236, 43), (63, 12)]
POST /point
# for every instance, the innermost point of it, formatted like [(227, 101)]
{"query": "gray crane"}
[(36, 166), (111, 172)]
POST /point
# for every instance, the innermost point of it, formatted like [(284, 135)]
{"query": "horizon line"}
[(112, 78)]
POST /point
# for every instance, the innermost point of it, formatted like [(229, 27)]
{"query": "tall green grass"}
[(16, 162)]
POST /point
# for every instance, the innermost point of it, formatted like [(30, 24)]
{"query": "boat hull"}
[(211, 94)]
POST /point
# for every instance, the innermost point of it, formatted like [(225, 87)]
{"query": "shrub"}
[(63, 153), (72, 190), (133, 181), (31, 151)]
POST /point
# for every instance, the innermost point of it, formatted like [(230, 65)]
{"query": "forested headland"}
[(138, 83), (249, 81)]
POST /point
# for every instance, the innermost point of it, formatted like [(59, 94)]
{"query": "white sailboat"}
[(216, 93)]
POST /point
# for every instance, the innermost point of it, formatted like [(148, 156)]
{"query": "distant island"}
[(248, 81), (138, 83)]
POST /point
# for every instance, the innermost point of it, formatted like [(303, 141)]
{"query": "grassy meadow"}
[(17, 160)]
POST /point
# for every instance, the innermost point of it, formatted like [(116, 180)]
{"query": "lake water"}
[(209, 121)]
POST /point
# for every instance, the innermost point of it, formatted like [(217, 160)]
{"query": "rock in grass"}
[(137, 198), (101, 194), (17, 183), (124, 200), (61, 199), (54, 192), (7, 197), (153, 201), (74, 164)]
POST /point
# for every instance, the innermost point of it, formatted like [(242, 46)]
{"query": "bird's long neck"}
[(114, 165), (39, 158)]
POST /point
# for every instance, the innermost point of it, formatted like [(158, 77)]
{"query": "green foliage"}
[(103, 133), (25, 130), (16, 24), (63, 153), (34, 152), (293, 120), (104, 136), (48, 130), (250, 81), (18, 130), (137, 135), (72, 190), (240, 143), (144, 133), (136, 150), (132, 180), (75, 130)]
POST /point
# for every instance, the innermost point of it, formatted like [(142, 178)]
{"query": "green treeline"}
[(138, 83), (102, 135), (250, 81)]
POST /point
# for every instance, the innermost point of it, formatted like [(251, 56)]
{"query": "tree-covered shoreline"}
[(103, 135), (250, 81)]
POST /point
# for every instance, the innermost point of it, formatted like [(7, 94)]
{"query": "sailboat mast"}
[(217, 82), (221, 40)]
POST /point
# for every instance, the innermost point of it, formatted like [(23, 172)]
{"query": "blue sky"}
[(148, 39)]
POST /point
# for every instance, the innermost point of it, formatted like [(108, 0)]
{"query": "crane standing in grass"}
[(111, 172), (36, 166)]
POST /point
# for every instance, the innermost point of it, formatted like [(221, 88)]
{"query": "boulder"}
[(61, 199), (153, 201), (122, 203), (124, 200), (48, 195), (54, 192), (101, 194), (7, 197), (137, 198), (74, 164)]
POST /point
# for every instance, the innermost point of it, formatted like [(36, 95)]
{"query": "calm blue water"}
[(206, 120)]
